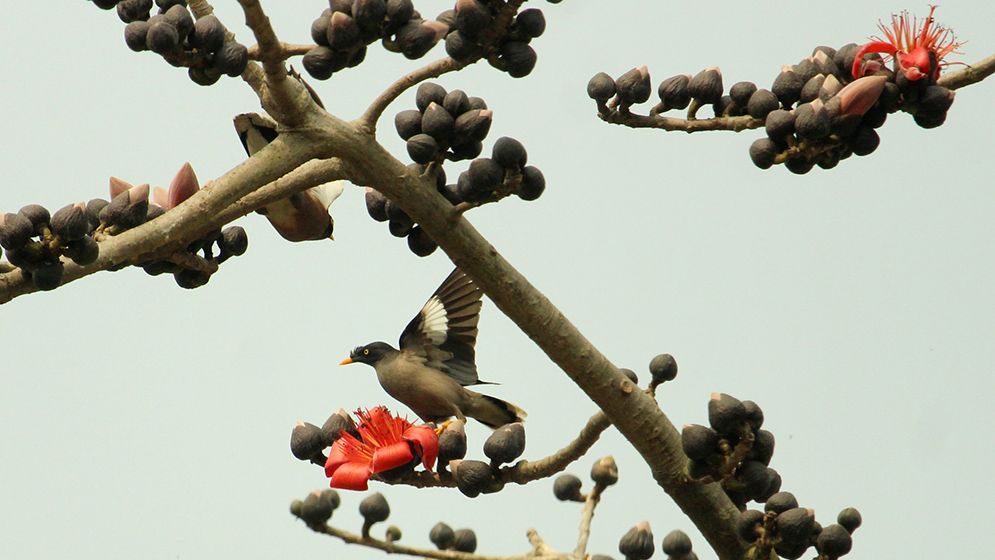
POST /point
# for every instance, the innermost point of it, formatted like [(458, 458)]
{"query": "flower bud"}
[(634, 86), (865, 140), (762, 152), (438, 123), (519, 58), (472, 477), (509, 153), (461, 48), (677, 543), (231, 59), (630, 375), (334, 426), (70, 222), (763, 447), (472, 126), (374, 508), (795, 525), (485, 174), (452, 442), (420, 243), (741, 93), (505, 444), (810, 91), (136, 35), (787, 86), (83, 251), (162, 37), (234, 241), (663, 368), (748, 523), (726, 414), (812, 121), (393, 534), (376, 204), (605, 472), (674, 92), (456, 102), (190, 279), (422, 148), (15, 231), (754, 415), (761, 103), (531, 22), (834, 541), (464, 540), (706, 86), (306, 441), (128, 209), (441, 535), (860, 95), (416, 39), (753, 476), (849, 518), (316, 510), (398, 13), (208, 34), (781, 502), (132, 10), (566, 488), (180, 17), (637, 542), (369, 15), (472, 18), (601, 87), (773, 486), (699, 443)]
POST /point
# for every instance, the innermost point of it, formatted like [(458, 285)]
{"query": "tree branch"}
[(587, 514), (973, 74), (433, 70), (396, 548), (522, 472), (287, 50), (209, 209)]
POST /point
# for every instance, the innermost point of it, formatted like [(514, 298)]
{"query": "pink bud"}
[(183, 186), (860, 95)]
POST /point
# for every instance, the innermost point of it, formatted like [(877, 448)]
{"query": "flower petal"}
[(426, 443), (352, 476), (392, 456), (183, 186), (337, 457)]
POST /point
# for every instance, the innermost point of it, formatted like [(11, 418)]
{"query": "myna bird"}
[(301, 216), (436, 359)]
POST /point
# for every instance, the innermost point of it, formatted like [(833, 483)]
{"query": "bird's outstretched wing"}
[(445, 329)]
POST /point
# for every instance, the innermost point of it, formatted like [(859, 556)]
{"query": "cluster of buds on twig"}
[(473, 29), (445, 537), (201, 46), (819, 111), (638, 544), (734, 450), (452, 126), (473, 477), (789, 530), (35, 240)]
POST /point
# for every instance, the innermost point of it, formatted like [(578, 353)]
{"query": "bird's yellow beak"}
[(345, 361)]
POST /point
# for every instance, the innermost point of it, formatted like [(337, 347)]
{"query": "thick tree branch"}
[(209, 209), (287, 50), (434, 70), (286, 100)]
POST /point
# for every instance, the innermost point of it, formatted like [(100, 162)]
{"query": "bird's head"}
[(369, 354)]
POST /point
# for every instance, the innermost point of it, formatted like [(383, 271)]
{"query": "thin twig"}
[(433, 70), (397, 548), (523, 472), (632, 120), (973, 74), (586, 515), (539, 546), (287, 50), (193, 262)]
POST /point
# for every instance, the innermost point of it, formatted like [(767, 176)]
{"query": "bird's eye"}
[(366, 351)]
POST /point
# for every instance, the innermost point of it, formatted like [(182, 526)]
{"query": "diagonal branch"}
[(973, 74), (433, 70)]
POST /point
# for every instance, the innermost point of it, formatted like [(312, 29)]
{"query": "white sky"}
[(855, 305)]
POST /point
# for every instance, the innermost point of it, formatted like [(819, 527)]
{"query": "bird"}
[(301, 216), (435, 362)]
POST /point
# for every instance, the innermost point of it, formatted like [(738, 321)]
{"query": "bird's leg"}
[(442, 427)]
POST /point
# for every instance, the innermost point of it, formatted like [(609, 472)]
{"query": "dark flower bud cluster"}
[(201, 46), (317, 508), (445, 538), (637, 543), (214, 249), (733, 449), (815, 112), (476, 33), (504, 446), (35, 241), (344, 30), (789, 530)]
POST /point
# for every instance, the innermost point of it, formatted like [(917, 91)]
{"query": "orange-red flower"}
[(385, 442), (918, 50)]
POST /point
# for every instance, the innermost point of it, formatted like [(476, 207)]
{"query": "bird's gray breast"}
[(428, 392)]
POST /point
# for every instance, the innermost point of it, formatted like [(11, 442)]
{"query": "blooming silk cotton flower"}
[(918, 51), (385, 442)]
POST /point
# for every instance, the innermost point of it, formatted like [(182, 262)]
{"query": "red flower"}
[(385, 442), (918, 51)]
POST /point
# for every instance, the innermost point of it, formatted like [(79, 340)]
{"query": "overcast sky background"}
[(854, 305)]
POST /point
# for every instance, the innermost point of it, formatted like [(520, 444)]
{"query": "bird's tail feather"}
[(494, 412)]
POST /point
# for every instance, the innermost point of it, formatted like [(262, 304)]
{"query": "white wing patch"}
[(328, 192), (435, 321)]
